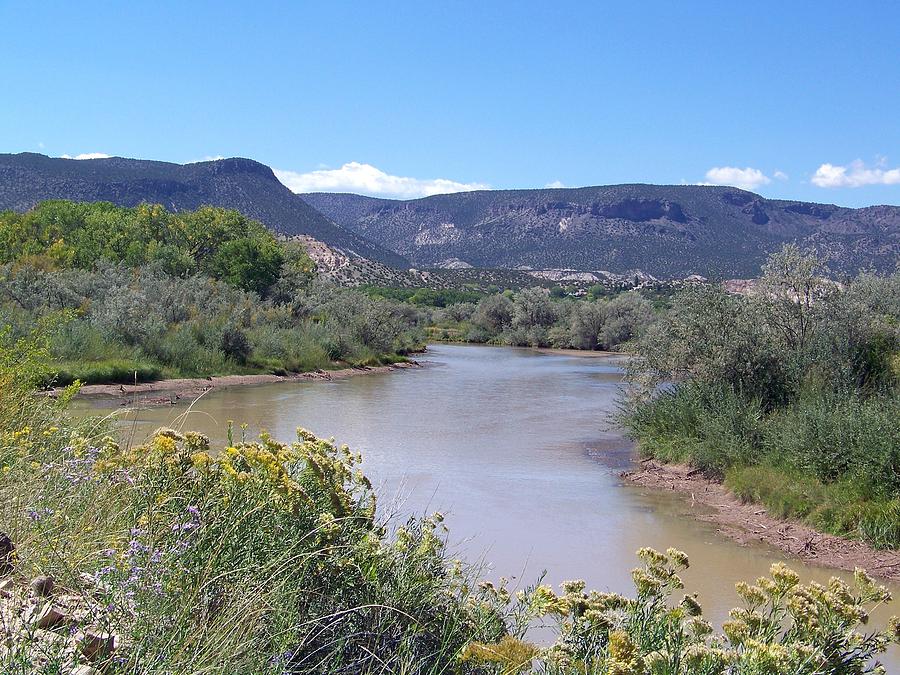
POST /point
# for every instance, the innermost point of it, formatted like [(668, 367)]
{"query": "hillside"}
[(667, 231), (242, 184)]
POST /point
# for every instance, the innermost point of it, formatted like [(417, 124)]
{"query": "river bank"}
[(580, 352), (747, 522), (170, 391)]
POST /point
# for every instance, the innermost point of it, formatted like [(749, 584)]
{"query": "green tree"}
[(248, 263), (533, 307), (494, 313), (792, 286)]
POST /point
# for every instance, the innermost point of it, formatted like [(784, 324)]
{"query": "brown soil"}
[(746, 523), (168, 391)]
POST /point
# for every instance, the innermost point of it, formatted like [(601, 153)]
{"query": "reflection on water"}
[(516, 446)]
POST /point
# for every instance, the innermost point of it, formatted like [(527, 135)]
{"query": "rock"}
[(75, 606), (7, 586), (7, 554), (46, 616), (42, 586), (85, 670), (95, 644)]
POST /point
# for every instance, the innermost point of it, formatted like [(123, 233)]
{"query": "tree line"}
[(145, 293)]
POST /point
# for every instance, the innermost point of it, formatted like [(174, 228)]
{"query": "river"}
[(517, 447)]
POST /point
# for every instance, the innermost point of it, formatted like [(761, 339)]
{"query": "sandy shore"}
[(747, 523), (168, 391), (579, 352)]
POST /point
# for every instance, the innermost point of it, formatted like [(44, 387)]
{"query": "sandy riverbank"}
[(747, 523), (168, 391), (580, 352)]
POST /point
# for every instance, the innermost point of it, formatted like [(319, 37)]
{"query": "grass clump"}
[(117, 371)]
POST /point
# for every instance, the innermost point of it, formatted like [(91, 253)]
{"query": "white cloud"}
[(367, 179), (746, 179), (88, 155), (780, 175), (856, 174), (555, 184)]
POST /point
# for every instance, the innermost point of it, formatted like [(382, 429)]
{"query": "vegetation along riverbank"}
[(263, 556), (747, 522), (141, 294), (270, 557), (170, 391), (789, 396), (144, 294)]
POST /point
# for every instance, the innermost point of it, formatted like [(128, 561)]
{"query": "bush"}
[(709, 427), (177, 326), (833, 436), (791, 392), (235, 345)]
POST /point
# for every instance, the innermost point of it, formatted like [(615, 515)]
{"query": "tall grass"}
[(118, 371), (830, 459), (262, 557)]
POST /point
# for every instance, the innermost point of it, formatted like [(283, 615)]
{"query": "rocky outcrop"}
[(43, 623)]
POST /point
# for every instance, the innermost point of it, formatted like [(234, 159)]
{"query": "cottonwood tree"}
[(586, 325), (625, 317), (493, 314), (792, 286), (532, 307)]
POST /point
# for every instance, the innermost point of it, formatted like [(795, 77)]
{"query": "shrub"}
[(235, 345)]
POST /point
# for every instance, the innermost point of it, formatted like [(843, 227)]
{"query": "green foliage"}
[(626, 316), (219, 242), (147, 293), (115, 371), (425, 297), (833, 436), (247, 263), (235, 345), (535, 317), (494, 314), (711, 336), (789, 393)]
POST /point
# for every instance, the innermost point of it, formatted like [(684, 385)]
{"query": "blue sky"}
[(792, 99)]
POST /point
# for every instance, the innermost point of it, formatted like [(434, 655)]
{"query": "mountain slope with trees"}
[(665, 230), (243, 184)]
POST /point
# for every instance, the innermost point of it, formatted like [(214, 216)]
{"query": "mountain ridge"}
[(668, 231), (239, 183), (665, 230)]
